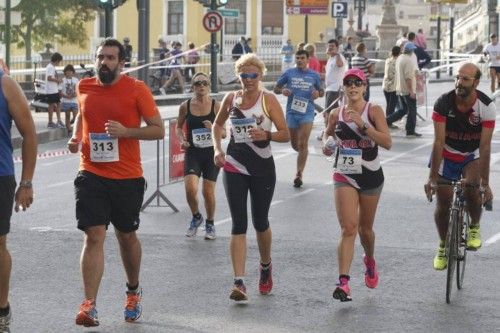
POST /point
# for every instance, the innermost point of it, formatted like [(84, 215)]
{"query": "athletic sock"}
[(207, 221), (344, 279), (133, 289), (238, 280), (5, 311), (197, 216), (265, 266)]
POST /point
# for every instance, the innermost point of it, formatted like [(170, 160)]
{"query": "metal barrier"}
[(175, 158)]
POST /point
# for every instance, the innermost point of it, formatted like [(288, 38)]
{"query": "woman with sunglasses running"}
[(249, 166), (198, 114), (358, 127)]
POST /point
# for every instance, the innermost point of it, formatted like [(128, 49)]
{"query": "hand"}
[(315, 94), (413, 95), (74, 145), (185, 144), (24, 198), (487, 194), (257, 134), (327, 151), (430, 189), (355, 117), (115, 129), (219, 158), (286, 92), (208, 124)]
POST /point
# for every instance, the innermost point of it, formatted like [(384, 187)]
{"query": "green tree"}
[(45, 21)]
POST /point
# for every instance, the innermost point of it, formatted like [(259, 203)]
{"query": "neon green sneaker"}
[(474, 239), (440, 261)]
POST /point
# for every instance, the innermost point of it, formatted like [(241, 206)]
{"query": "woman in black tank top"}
[(196, 115), (358, 128)]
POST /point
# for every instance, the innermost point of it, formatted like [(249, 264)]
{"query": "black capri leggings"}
[(261, 193)]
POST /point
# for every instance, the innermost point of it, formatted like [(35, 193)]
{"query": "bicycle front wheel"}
[(451, 252), (463, 234)]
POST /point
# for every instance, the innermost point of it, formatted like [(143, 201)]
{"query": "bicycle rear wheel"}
[(463, 234), (451, 252)]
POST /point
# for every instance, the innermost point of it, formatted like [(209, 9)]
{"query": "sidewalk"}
[(45, 134)]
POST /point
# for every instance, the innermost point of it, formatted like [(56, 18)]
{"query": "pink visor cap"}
[(355, 72)]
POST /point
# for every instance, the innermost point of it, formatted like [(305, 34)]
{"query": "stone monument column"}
[(388, 30)]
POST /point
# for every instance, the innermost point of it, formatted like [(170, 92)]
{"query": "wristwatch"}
[(25, 184)]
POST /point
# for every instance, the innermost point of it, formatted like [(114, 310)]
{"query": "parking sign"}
[(339, 9)]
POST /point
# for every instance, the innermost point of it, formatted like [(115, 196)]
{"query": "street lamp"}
[(108, 6)]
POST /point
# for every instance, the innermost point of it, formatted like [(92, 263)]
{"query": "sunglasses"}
[(200, 83), (356, 82), (252, 76), (465, 78)]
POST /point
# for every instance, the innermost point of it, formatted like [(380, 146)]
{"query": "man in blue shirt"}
[(302, 86), (287, 52)]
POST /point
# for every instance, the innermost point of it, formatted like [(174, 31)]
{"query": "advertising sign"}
[(176, 154), (307, 7)]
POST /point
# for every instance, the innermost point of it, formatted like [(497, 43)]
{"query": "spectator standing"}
[(287, 52), (492, 51), (423, 58), (69, 103), (362, 62), (128, 51), (109, 187), (164, 53), (406, 87), (13, 106), (313, 63), (389, 83), (420, 39), (248, 45), (334, 72), (192, 59), (349, 50), (175, 71), (53, 98), (239, 48), (402, 40)]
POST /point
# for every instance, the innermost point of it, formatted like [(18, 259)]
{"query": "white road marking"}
[(493, 239), (303, 192), (390, 159), (60, 184)]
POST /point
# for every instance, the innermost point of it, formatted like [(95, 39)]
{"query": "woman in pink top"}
[(313, 61)]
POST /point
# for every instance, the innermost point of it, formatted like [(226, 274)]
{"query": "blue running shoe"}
[(193, 226), (209, 231), (133, 307)]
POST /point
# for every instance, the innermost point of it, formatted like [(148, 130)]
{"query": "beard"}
[(106, 75), (463, 91)]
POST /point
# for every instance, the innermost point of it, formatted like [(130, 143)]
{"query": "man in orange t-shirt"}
[(109, 187)]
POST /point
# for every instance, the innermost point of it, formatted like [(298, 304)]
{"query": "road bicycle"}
[(457, 234)]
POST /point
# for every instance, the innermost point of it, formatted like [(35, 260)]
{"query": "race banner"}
[(176, 154)]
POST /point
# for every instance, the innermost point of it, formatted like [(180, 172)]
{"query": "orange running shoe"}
[(87, 316)]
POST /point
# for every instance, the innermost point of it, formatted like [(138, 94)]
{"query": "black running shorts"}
[(101, 201), (7, 189)]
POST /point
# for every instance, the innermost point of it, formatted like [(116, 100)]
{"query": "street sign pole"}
[(213, 54), (7, 33)]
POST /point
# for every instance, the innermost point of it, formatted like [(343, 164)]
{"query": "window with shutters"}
[(236, 26), (272, 17), (175, 18)]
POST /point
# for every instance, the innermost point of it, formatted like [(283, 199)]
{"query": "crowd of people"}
[(109, 186)]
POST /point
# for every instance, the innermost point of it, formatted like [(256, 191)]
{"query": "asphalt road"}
[(186, 282)]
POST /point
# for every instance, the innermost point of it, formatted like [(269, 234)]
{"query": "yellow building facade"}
[(266, 22)]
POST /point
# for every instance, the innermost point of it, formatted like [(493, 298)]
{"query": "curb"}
[(43, 136)]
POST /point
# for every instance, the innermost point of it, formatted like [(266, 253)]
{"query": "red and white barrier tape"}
[(45, 155)]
